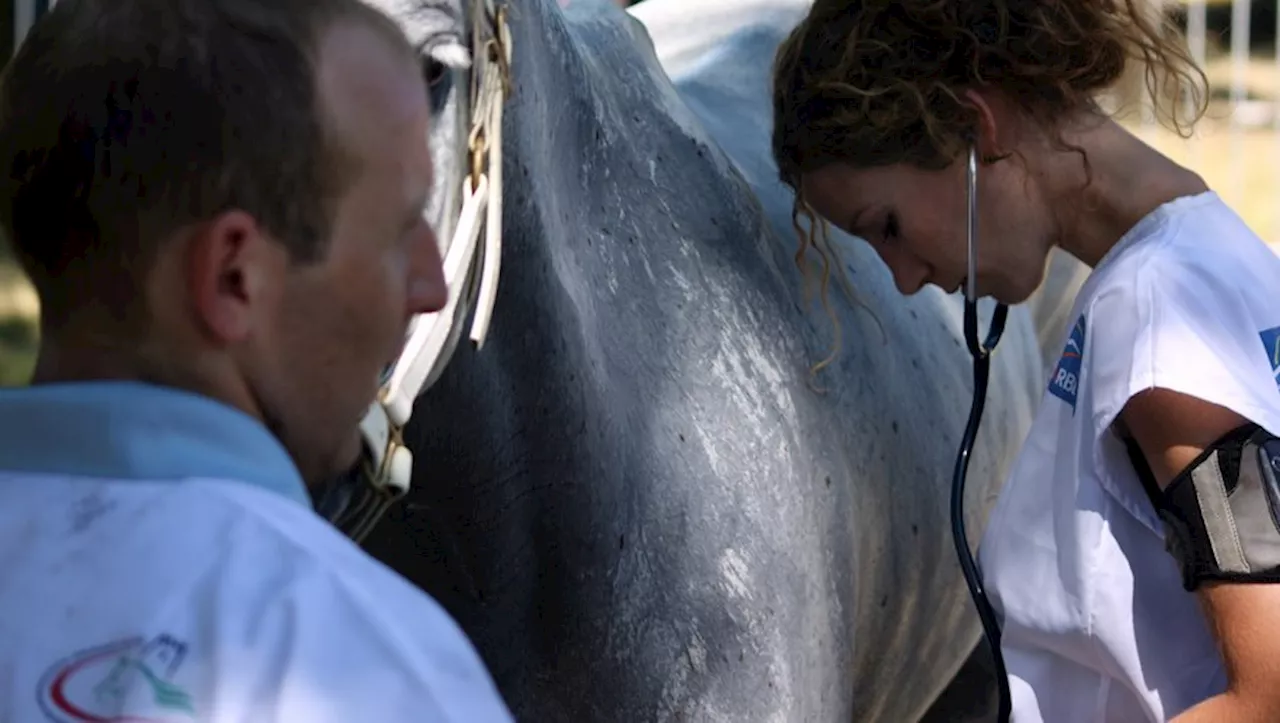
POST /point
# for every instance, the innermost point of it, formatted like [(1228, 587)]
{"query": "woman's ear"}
[(989, 141)]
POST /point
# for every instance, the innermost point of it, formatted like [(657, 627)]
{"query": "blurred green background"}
[(19, 310), (19, 307)]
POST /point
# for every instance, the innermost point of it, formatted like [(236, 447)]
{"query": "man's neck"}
[(127, 430), (66, 358)]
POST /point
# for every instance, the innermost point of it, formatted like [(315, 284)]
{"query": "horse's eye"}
[(439, 83), (432, 70)]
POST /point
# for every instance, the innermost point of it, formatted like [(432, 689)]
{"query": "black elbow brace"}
[(1222, 513)]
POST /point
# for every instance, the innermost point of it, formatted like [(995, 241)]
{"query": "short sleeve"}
[(1182, 327)]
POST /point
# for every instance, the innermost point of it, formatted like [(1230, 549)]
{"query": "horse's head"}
[(464, 50), (441, 33), (439, 29)]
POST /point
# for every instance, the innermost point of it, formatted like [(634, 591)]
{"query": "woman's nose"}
[(909, 274)]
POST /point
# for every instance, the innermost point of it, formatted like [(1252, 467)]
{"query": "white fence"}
[(1238, 148)]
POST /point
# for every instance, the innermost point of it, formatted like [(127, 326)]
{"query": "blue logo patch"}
[(1271, 342), (1065, 383)]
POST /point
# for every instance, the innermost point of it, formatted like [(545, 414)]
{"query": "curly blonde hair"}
[(880, 82)]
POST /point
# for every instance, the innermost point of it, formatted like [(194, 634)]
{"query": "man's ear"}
[(234, 272), (991, 144)]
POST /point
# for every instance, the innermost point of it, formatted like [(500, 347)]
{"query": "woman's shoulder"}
[(1198, 248), (1192, 306)]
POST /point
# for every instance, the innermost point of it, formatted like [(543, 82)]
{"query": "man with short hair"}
[(219, 203)]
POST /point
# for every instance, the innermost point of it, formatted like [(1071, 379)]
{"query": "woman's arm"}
[(1172, 429)]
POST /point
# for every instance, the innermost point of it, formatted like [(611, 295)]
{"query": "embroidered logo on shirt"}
[(1271, 341), (126, 680), (1065, 382)]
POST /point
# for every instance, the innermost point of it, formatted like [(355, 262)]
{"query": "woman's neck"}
[(1127, 180)]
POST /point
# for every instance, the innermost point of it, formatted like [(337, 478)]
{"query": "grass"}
[(1244, 168)]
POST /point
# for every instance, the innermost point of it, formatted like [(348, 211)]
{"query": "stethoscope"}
[(981, 352)]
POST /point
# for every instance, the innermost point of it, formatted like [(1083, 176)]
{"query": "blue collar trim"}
[(136, 431)]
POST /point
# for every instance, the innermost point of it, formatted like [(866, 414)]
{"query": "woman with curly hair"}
[(1132, 554)]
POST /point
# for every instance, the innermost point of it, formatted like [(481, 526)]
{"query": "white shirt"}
[(1097, 625), (161, 562)]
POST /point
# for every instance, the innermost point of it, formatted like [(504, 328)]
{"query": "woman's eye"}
[(890, 226)]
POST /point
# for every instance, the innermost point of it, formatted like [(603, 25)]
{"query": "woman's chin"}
[(1010, 293)]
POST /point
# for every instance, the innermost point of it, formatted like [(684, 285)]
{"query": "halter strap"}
[(471, 270)]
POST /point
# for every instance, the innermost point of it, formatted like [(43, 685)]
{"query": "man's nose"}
[(428, 290)]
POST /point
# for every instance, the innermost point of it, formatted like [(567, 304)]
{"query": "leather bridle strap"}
[(470, 269)]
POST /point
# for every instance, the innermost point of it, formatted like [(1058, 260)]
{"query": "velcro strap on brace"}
[(1222, 513)]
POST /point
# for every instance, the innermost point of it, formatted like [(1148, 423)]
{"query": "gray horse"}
[(633, 499)]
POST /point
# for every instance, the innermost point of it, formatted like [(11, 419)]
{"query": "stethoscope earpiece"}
[(978, 348)]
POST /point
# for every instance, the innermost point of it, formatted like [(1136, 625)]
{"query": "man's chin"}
[(340, 471), (350, 452), (342, 461)]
